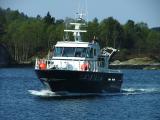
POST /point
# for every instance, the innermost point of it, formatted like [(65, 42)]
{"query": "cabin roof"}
[(72, 44)]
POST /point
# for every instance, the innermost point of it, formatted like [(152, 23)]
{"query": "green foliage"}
[(111, 32), (92, 29), (153, 42), (48, 19), (28, 37)]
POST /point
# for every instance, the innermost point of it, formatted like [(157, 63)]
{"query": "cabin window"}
[(84, 52), (73, 52), (68, 52), (80, 52), (58, 51)]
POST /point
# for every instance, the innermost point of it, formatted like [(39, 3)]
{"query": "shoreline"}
[(133, 66)]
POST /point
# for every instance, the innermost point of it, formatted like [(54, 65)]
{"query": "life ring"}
[(85, 67), (42, 65)]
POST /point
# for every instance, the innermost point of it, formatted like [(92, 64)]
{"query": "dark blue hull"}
[(80, 81)]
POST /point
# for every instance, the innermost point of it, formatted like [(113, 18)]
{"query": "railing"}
[(92, 65)]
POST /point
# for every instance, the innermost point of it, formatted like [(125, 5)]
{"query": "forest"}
[(29, 37)]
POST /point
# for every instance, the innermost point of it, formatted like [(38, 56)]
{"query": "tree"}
[(153, 42), (111, 32), (92, 30), (129, 41), (48, 19), (141, 32), (26, 37), (60, 21), (38, 17), (2, 23)]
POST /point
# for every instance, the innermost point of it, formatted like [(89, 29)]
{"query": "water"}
[(22, 97)]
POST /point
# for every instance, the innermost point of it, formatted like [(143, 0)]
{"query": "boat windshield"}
[(68, 52), (58, 51), (73, 52)]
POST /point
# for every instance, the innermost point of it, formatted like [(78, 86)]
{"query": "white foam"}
[(140, 90), (125, 91), (48, 93), (43, 93)]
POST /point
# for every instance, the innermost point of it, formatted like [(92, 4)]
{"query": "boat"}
[(79, 67)]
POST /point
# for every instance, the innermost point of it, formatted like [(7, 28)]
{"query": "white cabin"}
[(77, 55)]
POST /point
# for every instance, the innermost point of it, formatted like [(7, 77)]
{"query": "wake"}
[(128, 91), (125, 91), (48, 93)]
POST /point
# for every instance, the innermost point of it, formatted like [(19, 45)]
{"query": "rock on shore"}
[(137, 63)]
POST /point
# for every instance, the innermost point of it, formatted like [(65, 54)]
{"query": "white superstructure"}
[(77, 55)]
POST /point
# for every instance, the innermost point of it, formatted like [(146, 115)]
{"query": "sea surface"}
[(22, 97)]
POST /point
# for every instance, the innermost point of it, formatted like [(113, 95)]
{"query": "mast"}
[(77, 31)]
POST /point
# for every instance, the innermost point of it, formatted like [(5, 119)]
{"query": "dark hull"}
[(80, 81)]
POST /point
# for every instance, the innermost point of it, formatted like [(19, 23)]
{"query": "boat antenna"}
[(86, 10)]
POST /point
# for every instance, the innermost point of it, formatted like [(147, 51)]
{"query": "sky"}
[(137, 10)]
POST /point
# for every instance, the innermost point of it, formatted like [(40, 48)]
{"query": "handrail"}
[(93, 65)]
